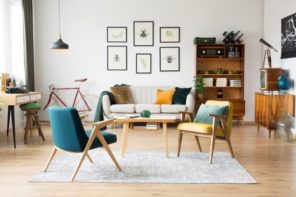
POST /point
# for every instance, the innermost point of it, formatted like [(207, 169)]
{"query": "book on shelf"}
[(208, 82), (221, 82), (235, 83)]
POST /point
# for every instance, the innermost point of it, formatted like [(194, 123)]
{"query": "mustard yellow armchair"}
[(219, 128)]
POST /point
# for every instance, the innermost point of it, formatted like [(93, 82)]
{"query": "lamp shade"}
[(59, 44)]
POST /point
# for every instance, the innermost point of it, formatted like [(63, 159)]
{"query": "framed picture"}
[(116, 34), (143, 63), (169, 59), (169, 34), (143, 33), (116, 57), (288, 37)]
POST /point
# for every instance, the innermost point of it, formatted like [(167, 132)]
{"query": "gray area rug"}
[(147, 167)]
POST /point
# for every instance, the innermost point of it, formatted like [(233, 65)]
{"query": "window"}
[(12, 39)]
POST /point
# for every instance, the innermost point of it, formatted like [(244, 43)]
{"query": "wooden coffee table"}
[(164, 120)]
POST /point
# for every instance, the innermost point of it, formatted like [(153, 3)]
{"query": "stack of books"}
[(208, 82), (152, 126), (221, 82), (235, 83)]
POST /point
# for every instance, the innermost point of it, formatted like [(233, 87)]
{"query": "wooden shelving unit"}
[(229, 58)]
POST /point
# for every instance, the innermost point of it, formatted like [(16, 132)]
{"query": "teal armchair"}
[(69, 135)]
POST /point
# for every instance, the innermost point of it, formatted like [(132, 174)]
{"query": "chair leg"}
[(179, 142), (79, 164), (212, 149), (109, 151), (30, 125), (225, 131), (230, 146), (198, 143), (26, 130), (54, 151), (214, 128), (39, 128), (89, 158)]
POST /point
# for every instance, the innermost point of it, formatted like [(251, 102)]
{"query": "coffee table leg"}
[(165, 139), (124, 138)]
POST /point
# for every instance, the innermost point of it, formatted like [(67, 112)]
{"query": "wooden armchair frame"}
[(95, 133), (212, 135)]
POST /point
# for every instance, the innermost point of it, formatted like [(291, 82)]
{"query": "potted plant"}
[(199, 86)]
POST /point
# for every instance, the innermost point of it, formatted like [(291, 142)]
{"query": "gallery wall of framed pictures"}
[(143, 36)]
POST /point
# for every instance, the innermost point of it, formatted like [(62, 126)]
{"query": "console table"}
[(270, 107), (12, 100)]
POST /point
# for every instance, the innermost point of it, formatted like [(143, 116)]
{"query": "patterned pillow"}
[(122, 94)]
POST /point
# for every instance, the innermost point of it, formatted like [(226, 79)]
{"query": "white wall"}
[(83, 27), (274, 11)]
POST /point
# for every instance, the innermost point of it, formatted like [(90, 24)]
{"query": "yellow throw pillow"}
[(164, 96)]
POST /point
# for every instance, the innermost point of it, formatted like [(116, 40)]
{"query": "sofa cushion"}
[(172, 108), (164, 96), (154, 109), (122, 94), (122, 108), (181, 95)]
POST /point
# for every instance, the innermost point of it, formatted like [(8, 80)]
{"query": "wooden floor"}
[(271, 162)]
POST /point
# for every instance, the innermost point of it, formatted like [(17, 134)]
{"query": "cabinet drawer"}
[(35, 97), (22, 99)]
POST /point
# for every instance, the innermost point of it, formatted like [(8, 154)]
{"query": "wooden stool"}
[(31, 110)]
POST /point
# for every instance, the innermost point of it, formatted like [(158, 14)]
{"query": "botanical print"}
[(289, 36), (116, 34), (169, 34), (143, 61)]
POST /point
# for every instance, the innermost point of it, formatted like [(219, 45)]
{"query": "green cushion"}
[(204, 111), (28, 106), (180, 95), (109, 137)]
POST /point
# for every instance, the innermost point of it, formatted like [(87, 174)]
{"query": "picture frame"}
[(143, 63), (143, 33), (117, 58), (288, 37), (169, 59), (169, 35), (116, 34)]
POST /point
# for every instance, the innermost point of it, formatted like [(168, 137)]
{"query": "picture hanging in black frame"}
[(117, 58), (169, 59), (143, 33), (288, 37), (169, 34), (143, 63), (116, 34)]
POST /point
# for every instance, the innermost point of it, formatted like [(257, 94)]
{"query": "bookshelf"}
[(222, 63)]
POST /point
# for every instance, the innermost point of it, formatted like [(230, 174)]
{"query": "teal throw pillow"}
[(204, 111), (180, 95)]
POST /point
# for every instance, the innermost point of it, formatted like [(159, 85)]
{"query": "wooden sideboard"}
[(270, 107)]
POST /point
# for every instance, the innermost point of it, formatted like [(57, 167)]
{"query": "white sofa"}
[(144, 97)]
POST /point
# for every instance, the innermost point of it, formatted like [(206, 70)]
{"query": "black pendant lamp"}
[(59, 44)]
